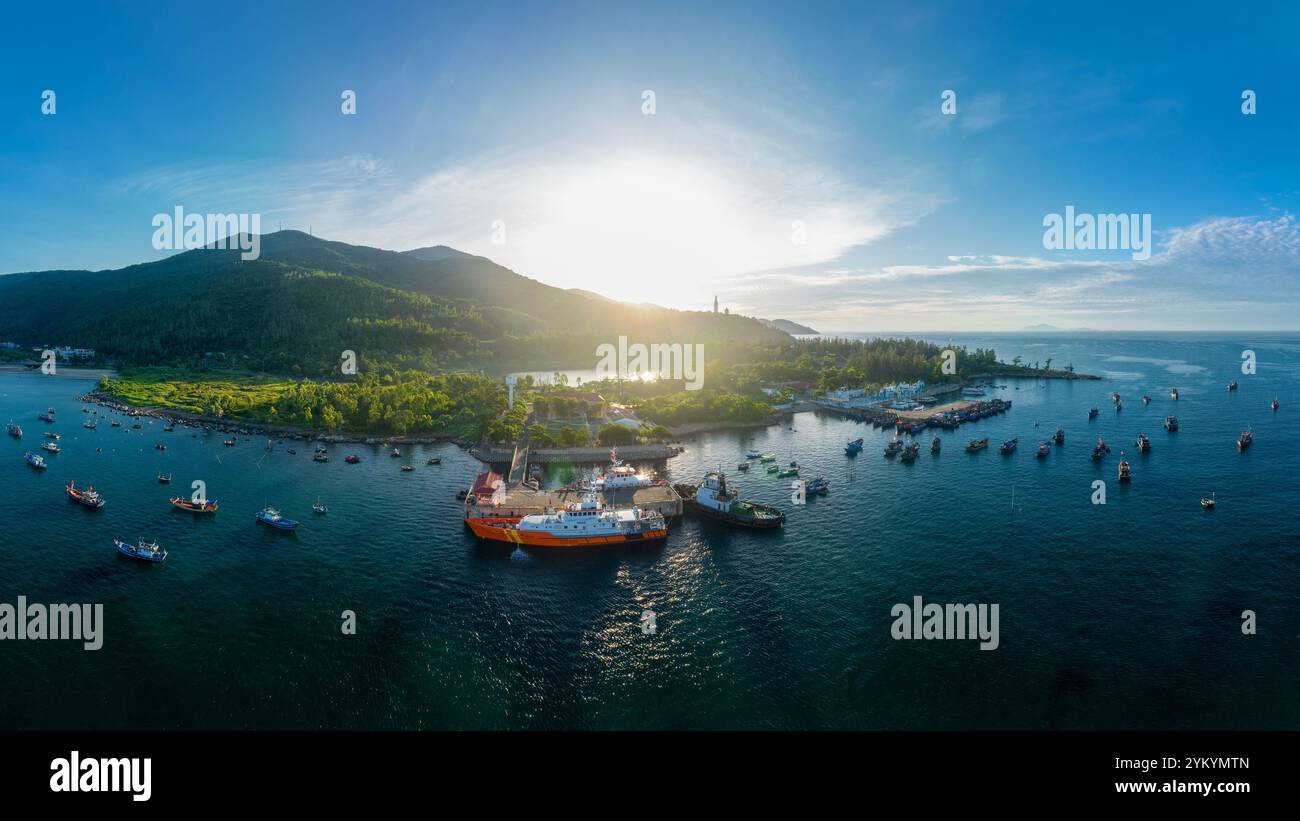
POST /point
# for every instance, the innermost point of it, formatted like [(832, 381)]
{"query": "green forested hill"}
[(305, 300)]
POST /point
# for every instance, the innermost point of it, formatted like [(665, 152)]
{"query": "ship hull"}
[(730, 518), (502, 531)]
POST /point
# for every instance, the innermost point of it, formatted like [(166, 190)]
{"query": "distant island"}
[(1053, 328), (345, 340)]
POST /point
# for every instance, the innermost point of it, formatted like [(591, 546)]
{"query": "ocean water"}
[(1123, 615)]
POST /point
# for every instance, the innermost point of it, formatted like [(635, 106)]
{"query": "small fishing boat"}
[(89, 424), (273, 518), (854, 447), (148, 551), (1273, 404), (15, 430), (1114, 396), (34, 460), (291, 451), (49, 434), (1092, 413), (320, 456), (46, 417), (1247, 436), (893, 448), (767, 457), (115, 424), (434, 460), (1146, 400), (352, 458), (136, 426), (910, 452), (752, 454), (160, 446), (318, 507), (1232, 386), (1143, 444), (1009, 446), (230, 443), (50, 446), (1125, 470), (1043, 449), (169, 427), (1059, 436), (1171, 423), (88, 497), (935, 444), (1100, 450), (190, 506), (1173, 394), (786, 472), (1208, 504), (408, 468), (773, 467), (743, 466), (975, 445), (395, 453), (818, 486), (164, 479)]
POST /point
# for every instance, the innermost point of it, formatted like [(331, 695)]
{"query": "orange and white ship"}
[(580, 524)]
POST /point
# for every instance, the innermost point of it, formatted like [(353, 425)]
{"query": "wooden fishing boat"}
[(191, 506), (147, 551)]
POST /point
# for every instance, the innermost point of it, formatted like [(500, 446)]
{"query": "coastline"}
[(249, 427), (62, 371)]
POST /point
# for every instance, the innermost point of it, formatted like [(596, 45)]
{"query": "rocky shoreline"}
[(249, 428)]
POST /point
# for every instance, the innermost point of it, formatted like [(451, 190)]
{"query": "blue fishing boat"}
[(147, 551), (272, 517), (818, 486), (34, 460), (853, 448)]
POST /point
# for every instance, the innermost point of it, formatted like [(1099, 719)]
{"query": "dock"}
[(520, 500)]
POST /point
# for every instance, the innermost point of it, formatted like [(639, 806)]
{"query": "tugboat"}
[(148, 551), (893, 448), (1059, 436), (1143, 444), (1100, 450), (1173, 394), (1146, 400), (50, 446), (619, 475), (88, 497), (818, 486), (1171, 423), (580, 524), (352, 458), (718, 501), (318, 507), (1243, 441), (1092, 413), (909, 452), (853, 448), (1232, 386), (194, 507), (935, 444), (1125, 470), (1273, 404), (1208, 504), (1043, 449), (1009, 446), (34, 460), (15, 430), (272, 517), (975, 445)]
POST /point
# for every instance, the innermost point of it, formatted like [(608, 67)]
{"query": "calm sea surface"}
[(1125, 615)]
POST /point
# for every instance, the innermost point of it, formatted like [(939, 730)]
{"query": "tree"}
[(612, 434)]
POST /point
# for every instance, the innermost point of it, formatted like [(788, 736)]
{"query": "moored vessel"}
[(1009, 446), (191, 506), (1059, 436), (1247, 436), (274, 518), (717, 500), (1171, 423), (50, 446), (1173, 394), (34, 460), (1043, 449), (935, 444), (854, 447), (586, 523), (1143, 444), (1092, 413), (618, 475), (148, 551), (89, 497), (977, 445), (1125, 470)]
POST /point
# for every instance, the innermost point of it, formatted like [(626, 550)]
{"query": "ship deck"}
[(524, 501)]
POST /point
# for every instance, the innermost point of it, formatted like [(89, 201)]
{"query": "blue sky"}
[(796, 164)]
